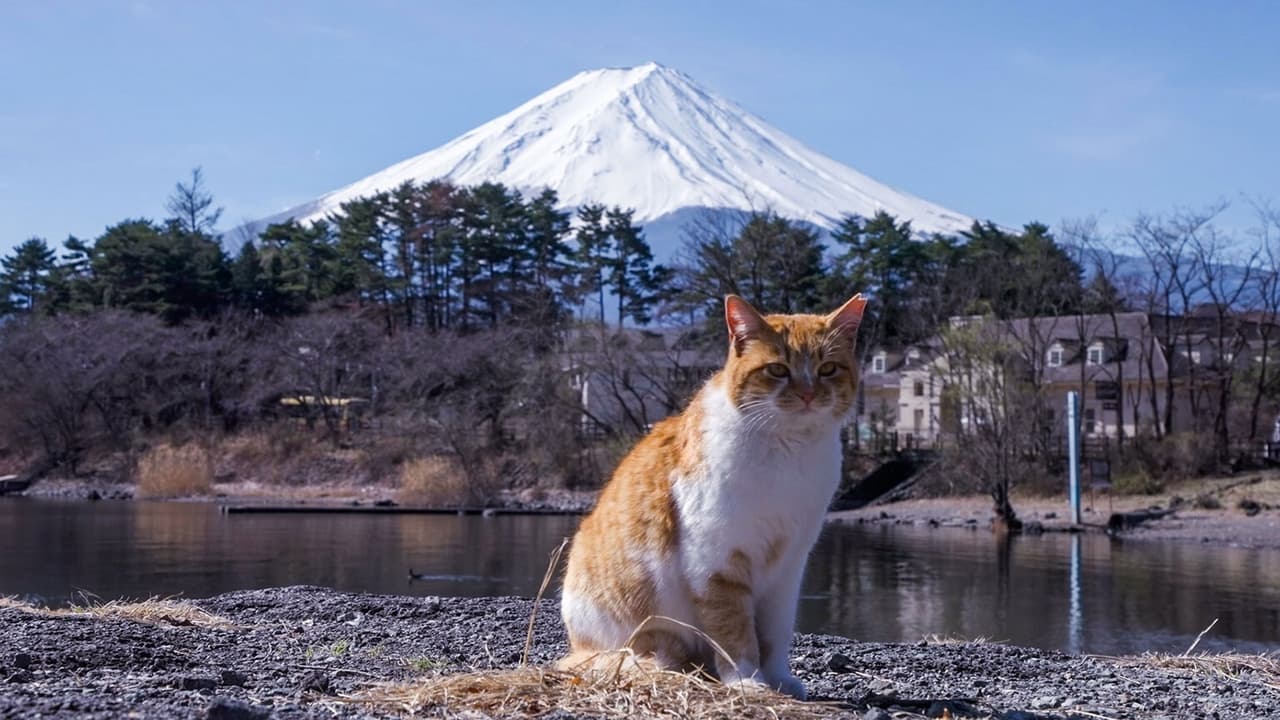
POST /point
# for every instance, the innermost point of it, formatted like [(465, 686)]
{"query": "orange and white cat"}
[(710, 518)]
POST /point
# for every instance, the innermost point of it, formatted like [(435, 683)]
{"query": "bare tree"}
[(1176, 280), (1225, 277), (191, 205), (1265, 300), (983, 366)]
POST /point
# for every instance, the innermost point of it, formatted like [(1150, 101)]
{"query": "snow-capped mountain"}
[(653, 139)]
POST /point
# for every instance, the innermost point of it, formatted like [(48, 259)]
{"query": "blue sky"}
[(1010, 111)]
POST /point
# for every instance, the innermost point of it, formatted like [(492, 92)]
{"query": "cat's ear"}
[(847, 319), (743, 321)]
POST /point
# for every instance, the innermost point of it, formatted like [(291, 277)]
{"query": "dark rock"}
[(227, 709), (318, 682), (232, 677), (22, 661), (877, 714), (385, 502), (1250, 507), (198, 683), (21, 675), (841, 663), (93, 495), (1050, 515)]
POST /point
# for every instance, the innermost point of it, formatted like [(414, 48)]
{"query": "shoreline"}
[(313, 652), (1227, 525)]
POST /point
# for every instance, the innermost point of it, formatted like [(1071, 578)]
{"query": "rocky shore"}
[(306, 652)]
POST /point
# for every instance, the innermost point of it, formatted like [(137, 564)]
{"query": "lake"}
[(884, 583)]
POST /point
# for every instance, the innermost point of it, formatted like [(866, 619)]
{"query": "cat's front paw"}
[(790, 685), (733, 678)]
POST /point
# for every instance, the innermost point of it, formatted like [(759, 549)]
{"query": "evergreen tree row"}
[(444, 257), (423, 255)]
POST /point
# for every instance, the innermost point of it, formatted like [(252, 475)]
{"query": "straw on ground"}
[(153, 611)]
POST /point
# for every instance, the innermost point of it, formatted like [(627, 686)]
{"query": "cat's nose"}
[(806, 396)]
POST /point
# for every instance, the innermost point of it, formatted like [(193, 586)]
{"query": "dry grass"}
[(167, 471), (1264, 668), (636, 693), (153, 611), (936, 639), (433, 481)]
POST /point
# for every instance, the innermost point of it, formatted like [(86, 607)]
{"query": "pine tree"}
[(592, 254), (545, 230), (493, 220), (24, 275), (630, 270), (307, 261), (71, 284), (165, 271), (881, 257), (247, 282), (786, 258)]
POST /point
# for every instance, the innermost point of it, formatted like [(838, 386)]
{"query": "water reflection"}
[(1081, 594), (1075, 593)]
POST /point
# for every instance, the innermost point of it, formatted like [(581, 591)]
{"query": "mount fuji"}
[(652, 139)]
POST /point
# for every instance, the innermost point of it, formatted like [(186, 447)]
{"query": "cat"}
[(710, 518)]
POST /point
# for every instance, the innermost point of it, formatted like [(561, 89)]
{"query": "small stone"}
[(1045, 702), (384, 502), (22, 661), (197, 683), (841, 663), (226, 709), (1050, 515), (316, 681), (882, 687), (232, 677), (877, 714), (431, 603)]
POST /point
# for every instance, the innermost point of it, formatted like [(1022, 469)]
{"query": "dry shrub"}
[(637, 693), (167, 471), (1180, 456), (1136, 482), (434, 481)]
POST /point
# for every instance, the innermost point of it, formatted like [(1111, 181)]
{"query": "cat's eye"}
[(777, 370), (827, 369)]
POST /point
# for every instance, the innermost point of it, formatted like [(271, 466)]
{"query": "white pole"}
[(1073, 454)]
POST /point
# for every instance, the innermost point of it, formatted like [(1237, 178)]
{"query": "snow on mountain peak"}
[(651, 138)]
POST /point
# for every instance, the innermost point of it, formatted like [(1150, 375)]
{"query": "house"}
[(629, 379), (1118, 365)]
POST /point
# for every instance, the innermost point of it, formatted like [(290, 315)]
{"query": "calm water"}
[(886, 583)]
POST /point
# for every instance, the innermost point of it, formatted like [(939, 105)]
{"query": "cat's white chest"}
[(756, 496)]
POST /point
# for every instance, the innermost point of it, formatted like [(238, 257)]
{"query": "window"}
[(1192, 355), (1090, 425), (917, 421), (1095, 355), (1055, 357), (1228, 357), (918, 388), (877, 364)]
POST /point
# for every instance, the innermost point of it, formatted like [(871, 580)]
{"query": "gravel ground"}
[(296, 652)]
